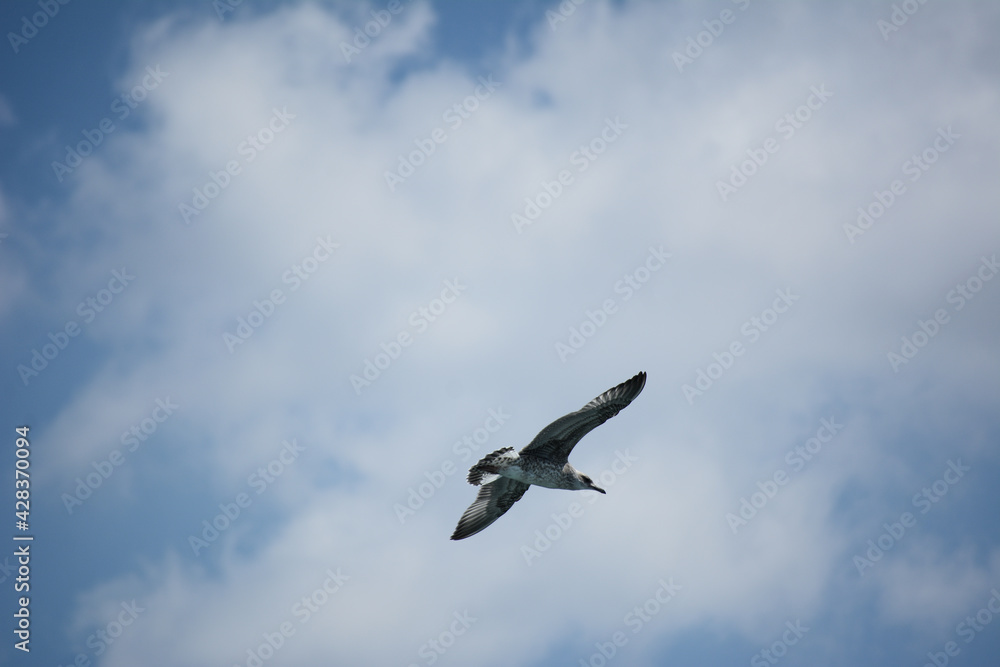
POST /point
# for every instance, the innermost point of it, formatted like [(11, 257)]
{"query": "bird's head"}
[(589, 484)]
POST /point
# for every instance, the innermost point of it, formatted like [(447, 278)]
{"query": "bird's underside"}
[(504, 475)]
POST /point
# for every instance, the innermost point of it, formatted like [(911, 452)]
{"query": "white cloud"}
[(937, 591)]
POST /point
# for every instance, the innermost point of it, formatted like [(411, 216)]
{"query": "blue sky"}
[(271, 285)]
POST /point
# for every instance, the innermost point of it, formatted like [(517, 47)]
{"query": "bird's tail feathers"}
[(487, 469)]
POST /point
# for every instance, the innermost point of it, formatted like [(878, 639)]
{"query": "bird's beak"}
[(597, 488)]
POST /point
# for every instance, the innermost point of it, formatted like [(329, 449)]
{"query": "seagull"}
[(504, 475)]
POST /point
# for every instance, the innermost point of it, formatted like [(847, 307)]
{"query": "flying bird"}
[(504, 475)]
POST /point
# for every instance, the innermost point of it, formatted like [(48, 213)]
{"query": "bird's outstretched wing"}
[(493, 501), (557, 440)]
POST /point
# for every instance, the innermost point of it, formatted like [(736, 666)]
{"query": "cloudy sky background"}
[(330, 123)]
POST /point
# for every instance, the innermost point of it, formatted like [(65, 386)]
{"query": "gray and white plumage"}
[(504, 475)]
